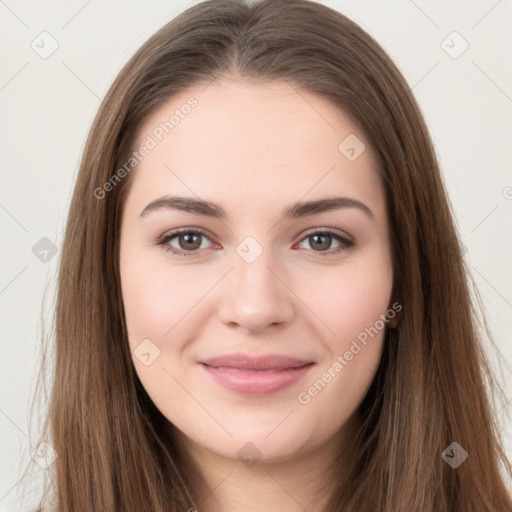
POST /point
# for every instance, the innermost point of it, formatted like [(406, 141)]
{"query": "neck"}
[(302, 481)]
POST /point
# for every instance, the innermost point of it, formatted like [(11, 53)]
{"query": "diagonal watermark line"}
[(298, 92), (14, 76), (424, 14), (492, 211), (199, 403), (493, 416), (305, 194), (75, 15), (216, 487), (198, 301), (494, 288), (427, 73), (288, 492), (280, 423), (486, 14), (14, 423), (210, 82), (165, 165), (13, 13), (83, 415), (101, 100), (292, 85), (492, 81), (82, 286), (81, 80), (11, 489), (300, 299), (13, 279), (13, 217)]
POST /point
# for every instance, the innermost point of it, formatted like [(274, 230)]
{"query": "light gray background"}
[(47, 106)]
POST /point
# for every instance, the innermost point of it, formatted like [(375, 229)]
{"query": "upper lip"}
[(245, 362)]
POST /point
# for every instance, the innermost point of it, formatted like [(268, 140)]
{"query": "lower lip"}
[(257, 382)]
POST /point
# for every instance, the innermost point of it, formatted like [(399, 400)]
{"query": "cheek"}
[(147, 303), (158, 300), (350, 299), (159, 307)]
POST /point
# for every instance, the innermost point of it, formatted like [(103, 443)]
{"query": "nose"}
[(255, 296)]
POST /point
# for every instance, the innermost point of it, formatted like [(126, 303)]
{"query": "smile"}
[(256, 382)]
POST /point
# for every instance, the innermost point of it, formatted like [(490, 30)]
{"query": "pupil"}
[(322, 241), (325, 244), (189, 239)]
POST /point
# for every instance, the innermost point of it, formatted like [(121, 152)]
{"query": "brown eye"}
[(184, 242), (321, 242), (189, 241)]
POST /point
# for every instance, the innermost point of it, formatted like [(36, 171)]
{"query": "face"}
[(276, 260)]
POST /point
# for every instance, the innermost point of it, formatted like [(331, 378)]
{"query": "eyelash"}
[(167, 237)]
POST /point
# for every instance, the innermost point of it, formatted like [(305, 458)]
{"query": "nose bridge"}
[(254, 297)]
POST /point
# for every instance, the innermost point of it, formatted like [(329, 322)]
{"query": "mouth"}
[(256, 375)]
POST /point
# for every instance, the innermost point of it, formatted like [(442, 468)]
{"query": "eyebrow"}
[(297, 210)]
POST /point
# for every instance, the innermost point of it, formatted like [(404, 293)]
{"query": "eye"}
[(187, 242), (320, 241)]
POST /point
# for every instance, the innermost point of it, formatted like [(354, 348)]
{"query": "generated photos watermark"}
[(150, 143), (305, 397)]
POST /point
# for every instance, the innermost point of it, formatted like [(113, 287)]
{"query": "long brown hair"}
[(434, 385)]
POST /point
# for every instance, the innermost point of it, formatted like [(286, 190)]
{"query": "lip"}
[(256, 375)]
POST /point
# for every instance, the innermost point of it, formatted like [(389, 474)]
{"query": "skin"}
[(254, 148)]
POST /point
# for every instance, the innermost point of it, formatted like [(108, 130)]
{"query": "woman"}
[(262, 302)]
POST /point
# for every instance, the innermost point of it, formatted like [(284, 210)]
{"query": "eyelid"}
[(331, 231), (345, 240), (169, 235), (178, 231)]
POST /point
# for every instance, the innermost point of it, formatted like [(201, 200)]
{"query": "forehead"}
[(245, 143)]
